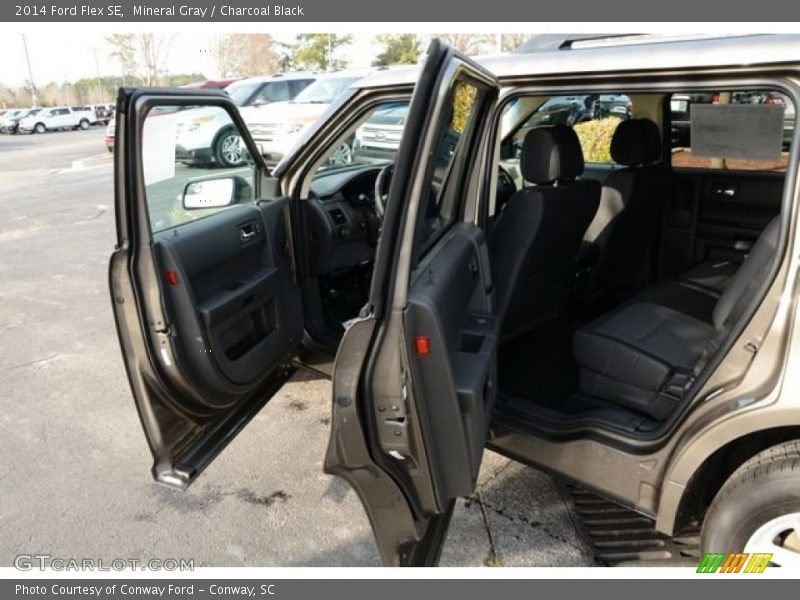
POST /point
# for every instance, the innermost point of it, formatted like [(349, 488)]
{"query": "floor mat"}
[(539, 366)]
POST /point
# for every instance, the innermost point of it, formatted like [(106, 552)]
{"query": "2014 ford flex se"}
[(586, 296)]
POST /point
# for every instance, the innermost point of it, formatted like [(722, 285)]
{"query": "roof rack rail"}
[(565, 41)]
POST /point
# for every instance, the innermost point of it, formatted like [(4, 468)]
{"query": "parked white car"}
[(9, 120), (206, 135), (59, 117), (277, 127), (102, 113)]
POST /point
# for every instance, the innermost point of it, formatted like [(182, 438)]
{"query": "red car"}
[(210, 85)]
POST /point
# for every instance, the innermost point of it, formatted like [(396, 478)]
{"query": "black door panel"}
[(716, 215), (448, 308), (232, 304)]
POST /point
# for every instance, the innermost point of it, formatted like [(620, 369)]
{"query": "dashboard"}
[(343, 226)]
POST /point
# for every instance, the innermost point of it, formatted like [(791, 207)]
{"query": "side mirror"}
[(209, 193)]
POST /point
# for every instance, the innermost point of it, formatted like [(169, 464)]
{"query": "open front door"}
[(414, 380), (207, 311)]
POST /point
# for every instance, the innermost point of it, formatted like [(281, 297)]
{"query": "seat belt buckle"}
[(678, 384)]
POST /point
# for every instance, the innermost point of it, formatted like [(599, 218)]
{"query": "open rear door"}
[(414, 380), (207, 311)]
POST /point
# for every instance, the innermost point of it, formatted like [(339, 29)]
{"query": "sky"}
[(64, 56)]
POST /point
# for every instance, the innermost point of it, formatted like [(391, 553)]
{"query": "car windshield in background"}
[(241, 91), (324, 91)]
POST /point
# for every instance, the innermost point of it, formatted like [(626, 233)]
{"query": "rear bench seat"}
[(645, 354)]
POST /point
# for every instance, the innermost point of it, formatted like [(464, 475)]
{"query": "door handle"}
[(724, 190), (247, 232)]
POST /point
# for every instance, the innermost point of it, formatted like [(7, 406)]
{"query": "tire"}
[(758, 510), (227, 148), (39, 128), (84, 124), (790, 449), (342, 156)]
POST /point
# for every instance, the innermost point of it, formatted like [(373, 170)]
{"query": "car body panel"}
[(750, 393)]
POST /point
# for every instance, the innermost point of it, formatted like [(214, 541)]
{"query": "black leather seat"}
[(711, 275), (631, 205), (645, 354), (535, 239)]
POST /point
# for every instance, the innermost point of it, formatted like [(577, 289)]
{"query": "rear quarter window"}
[(754, 129)]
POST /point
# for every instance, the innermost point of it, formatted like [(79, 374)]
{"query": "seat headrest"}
[(636, 142), (551, 153)]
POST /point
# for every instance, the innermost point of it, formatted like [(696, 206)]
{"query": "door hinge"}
[(393, 424)]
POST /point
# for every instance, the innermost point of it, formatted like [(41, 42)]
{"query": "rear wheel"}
[(758, 510), (84, 124), (228, 148)]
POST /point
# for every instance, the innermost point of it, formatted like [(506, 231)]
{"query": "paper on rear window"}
[(747, 131)]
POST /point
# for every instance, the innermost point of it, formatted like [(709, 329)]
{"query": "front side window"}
[(736, 130), (194, 164), (441, 195)]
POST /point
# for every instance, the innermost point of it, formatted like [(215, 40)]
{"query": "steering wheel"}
[(382, 183), (506, 187)]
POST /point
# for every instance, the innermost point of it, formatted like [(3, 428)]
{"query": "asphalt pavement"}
[(76, 481)]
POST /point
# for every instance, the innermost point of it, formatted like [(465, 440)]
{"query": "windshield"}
[(241, 91), (324, 91)]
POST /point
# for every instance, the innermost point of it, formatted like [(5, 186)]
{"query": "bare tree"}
[(124, 50), (246, 55), (153, 51), (467, 43), (144, 54), (508, 42)]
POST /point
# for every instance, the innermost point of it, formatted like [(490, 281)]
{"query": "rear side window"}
[(594, 117), (298, 85), (734, 130)]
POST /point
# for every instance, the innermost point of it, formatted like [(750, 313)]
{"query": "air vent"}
[(337, 216)]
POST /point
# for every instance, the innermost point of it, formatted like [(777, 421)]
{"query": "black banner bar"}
[(731, 588), (450, 11)]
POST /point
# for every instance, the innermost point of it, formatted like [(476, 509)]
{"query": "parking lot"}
[(77, 480)]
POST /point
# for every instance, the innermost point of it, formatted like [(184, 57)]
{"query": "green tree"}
[(402, 49), (315, 52)]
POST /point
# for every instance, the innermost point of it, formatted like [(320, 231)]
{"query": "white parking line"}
[(84, 164)]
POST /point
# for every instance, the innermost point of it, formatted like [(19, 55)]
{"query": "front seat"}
[(535, 239), (631, 204)]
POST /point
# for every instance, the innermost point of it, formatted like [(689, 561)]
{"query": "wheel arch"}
[(683, 505)]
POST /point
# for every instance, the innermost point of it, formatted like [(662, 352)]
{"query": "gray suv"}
[(582, 298)]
